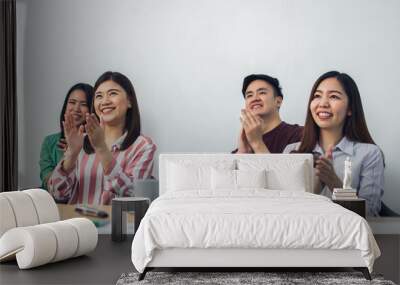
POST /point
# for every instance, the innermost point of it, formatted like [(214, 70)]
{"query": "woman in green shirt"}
[(77, 102)]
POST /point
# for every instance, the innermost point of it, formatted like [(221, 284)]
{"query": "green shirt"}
[(50, 155)]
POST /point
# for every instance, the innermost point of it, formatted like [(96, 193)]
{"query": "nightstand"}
[(355, 205), (138, 205)]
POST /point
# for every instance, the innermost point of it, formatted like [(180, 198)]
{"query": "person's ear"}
[(279, 100), (349, 113)]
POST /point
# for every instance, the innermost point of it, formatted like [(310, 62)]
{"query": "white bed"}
[(215, 211)]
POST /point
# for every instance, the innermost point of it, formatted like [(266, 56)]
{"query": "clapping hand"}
[(95, 132), (325, 172), (73, 135), (62, 145), (252, 126), (243, 144)]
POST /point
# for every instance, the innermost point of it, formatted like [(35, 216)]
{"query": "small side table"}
[(139, 205), (355, 205)]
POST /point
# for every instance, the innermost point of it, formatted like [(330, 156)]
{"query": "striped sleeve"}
[(136, 164), (62, 185)]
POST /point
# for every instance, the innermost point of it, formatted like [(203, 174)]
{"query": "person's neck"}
[(112, 133), (270, 122), (329, 138)]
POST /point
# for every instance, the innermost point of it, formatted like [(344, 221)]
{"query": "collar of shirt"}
[(117, 144), (345, 145)]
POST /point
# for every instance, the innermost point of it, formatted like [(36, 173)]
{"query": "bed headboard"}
[(273, 161)]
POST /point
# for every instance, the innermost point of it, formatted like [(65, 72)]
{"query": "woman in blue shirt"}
[(335, 128)]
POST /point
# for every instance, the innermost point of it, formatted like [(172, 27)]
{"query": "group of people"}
[(100, 150)]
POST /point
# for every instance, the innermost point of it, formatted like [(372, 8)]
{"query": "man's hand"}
[(243, 144), (252, 126)]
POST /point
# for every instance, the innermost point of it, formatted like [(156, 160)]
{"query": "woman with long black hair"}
[(104, 162), (77, 102), (335, 129)]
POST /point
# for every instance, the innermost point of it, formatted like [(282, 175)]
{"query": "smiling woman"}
[(77, 103), (104, 162), (335, 129)]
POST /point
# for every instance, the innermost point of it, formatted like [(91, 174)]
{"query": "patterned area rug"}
[(225, 278)]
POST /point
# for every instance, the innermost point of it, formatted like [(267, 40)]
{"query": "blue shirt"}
[(367, 170)]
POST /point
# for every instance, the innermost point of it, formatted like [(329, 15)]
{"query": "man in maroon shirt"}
[(262, 130)]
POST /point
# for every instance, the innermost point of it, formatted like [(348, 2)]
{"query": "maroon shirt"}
[(277, 139)]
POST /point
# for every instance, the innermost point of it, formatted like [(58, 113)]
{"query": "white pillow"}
[(293, 179), (223, 179), (188, 175), (283, 173), (251, 178), (182, 177), (226, 179)]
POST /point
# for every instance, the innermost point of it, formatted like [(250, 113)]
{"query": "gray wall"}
[(187, 60)]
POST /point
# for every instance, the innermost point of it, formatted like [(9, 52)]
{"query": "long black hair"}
[(132, 118), (355, 127), (85, 88)]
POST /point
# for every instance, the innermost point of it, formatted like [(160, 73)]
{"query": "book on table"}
[(339, 193)]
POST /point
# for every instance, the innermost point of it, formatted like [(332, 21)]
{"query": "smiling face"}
[(77, 106), (260, 98), (329, 105), (111, 103)]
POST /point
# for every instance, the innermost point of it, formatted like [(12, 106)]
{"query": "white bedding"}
[(251, 218)]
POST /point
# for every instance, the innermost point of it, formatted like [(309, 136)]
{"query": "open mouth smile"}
[(256, 106), (107, 110), (324, 115)]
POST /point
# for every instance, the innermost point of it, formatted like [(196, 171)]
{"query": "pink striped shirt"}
[(88, 184)]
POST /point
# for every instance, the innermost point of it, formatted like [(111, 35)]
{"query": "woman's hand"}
[(62, 145), (95, 132), (73, 136), (252, 126), (326, 173)]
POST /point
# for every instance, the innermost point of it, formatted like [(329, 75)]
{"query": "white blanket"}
[(250, 219)]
